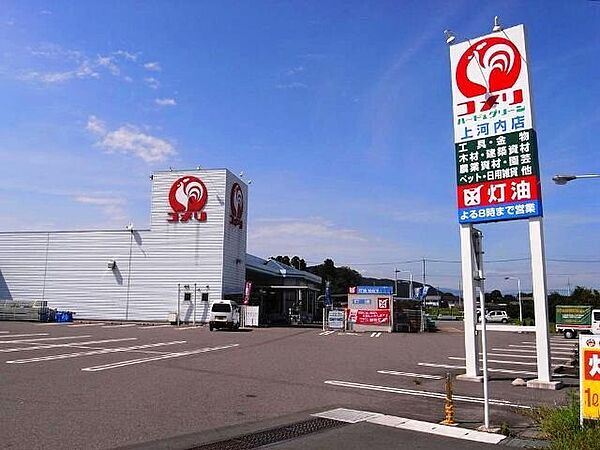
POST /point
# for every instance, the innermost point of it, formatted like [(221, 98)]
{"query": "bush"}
[(561, 426)]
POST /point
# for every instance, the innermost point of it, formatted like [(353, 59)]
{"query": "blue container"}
[(63, 316)]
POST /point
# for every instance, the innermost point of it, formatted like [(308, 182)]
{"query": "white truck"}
[(574, 319)]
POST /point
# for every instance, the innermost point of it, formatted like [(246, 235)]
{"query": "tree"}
[(341, 278), (295, 261)]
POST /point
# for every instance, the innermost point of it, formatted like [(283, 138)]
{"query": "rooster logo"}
[(490, 65), (187, 197), (237, 206)]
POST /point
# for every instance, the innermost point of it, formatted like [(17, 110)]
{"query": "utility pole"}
[(423, 272)]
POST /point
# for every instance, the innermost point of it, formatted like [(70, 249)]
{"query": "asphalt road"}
[(141, 386)]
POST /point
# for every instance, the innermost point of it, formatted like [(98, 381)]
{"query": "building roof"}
[(275, 268)]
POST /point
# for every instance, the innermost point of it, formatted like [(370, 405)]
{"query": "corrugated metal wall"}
[(234, 244), (70, 269)]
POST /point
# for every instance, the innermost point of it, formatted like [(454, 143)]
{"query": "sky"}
[(339, 112)]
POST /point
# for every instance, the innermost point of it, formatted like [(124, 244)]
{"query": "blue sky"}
[(339, 112)]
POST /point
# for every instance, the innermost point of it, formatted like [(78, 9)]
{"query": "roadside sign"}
[(497, 170), (336, 319), (589, 377)]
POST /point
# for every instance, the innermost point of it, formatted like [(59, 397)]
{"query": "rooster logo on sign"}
[(237, 206), (187, 197)]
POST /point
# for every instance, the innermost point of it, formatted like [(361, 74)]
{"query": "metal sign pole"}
[(542, 340), (486, 397), (195, 295), (468, 285), (178, 307)]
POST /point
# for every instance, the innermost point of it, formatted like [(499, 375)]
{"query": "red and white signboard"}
[(495, 142), (372, 317), (490, 85)]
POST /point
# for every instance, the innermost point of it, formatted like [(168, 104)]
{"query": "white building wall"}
[(70, 269), (234, 243)]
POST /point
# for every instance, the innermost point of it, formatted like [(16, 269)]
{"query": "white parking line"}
[(394, 390), (27, 341), (450, 366), (151, 327), (78, 325), (524, 356), (93, 352), (532, 347), (155, 358), (197, 327), (529, 351), (24, 335), (70, 344), (497, 361), (409, 374), (124, 325), (4, 331), (326, 333), (376, 335)]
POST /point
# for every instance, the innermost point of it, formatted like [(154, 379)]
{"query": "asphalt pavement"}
[(100, 386)]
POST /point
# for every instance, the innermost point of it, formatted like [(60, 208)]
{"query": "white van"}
[(224, 314)]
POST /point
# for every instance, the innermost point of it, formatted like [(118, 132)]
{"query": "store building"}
[(197, 237)]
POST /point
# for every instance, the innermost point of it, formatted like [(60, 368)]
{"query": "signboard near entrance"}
[(336, 319), (372, 317), (589, 377)]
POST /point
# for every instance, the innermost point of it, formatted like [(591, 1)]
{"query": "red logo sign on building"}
[(237, 206), (187, 197)]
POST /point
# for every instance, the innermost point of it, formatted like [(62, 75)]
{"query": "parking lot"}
[(102, 385)]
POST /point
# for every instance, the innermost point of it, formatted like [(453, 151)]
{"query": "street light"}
[(520, 303), (396, 272), (564, 179)]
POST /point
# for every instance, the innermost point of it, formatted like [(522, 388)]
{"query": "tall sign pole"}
[(497, 169)]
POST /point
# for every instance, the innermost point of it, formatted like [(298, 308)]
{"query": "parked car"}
[(224, 314), (496, 316)]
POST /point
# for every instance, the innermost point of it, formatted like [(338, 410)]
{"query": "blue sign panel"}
[(361, 301), (508, 211), (374, 290)]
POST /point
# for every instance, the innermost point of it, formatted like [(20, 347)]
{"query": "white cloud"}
[(96, 125), (109, 63), (292, 85), (78, 65), (114, 207), (294, 70), (129, 139), (46, 12), (151, 82), (165, 101), (153, 66), (126, 55)]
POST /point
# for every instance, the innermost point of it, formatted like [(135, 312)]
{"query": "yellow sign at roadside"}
[(589, 377)]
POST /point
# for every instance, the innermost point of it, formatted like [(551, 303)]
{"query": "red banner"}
[(247, 291), (372, 317)]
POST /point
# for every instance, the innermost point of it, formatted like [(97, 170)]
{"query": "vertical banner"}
[(247, 292), (589, 377), (497, 170)]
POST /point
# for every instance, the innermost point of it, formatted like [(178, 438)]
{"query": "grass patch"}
[(561, 427)]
